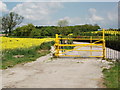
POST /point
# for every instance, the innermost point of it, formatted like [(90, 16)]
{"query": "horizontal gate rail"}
[(75, 39), (78, 56), (79, 44), (82, 50)]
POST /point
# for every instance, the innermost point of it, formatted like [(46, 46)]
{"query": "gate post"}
[(57, 45), (103, 47), (91, 46)]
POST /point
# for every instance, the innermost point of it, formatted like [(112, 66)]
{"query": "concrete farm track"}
[(56, 73)]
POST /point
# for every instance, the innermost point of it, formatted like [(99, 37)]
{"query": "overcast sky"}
[(104, 14)]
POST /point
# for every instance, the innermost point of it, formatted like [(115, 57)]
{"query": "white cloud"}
[(66, 18), (92, 10), (3, 7), (37, 11), (94, 18)]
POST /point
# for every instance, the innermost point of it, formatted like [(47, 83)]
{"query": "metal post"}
[(57, 45), (91, 46), (104, 44)]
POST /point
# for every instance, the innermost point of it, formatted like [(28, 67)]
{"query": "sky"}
[(105, 14)]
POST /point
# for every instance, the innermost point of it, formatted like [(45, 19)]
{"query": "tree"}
[(63, 26), (24, 30), (96, 27), (9, 21), (63, 23), (35, 33)]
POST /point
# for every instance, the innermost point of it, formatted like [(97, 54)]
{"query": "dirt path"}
[(55, 73), (59, 73)]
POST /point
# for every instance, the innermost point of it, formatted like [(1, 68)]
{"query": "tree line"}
[(49, 31)]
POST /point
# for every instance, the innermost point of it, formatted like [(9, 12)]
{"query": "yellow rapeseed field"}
[(108, 32), (13, 43)]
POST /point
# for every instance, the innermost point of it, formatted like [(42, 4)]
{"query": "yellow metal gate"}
[(94, 41)]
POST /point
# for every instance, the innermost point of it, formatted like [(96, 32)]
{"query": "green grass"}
[(29, 54), (112, 76)]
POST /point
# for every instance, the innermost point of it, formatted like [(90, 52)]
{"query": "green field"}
[(12, 57)]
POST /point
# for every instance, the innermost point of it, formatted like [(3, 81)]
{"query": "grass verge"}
[(12, 57), (112, 76)]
